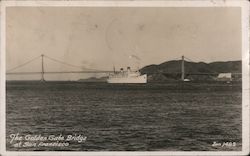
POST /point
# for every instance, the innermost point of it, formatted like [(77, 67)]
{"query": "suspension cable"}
[(188, 59), (65, 63), (177, 58), (213, 71), (19, 66)]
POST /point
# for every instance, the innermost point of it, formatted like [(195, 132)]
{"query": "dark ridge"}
[(171, 70)]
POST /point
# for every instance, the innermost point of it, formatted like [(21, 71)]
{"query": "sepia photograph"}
[(125, 77)]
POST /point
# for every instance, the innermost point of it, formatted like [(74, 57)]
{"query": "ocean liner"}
[(128, 76)]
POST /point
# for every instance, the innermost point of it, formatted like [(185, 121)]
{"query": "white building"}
[(225, 76)]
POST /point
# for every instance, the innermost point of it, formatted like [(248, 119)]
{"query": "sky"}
[(103, 37)]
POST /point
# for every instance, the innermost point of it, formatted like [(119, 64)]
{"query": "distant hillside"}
[(171, 70)]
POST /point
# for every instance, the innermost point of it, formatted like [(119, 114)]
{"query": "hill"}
[(171, 70)]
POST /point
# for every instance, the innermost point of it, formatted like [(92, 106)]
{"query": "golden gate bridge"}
[(42, 72)]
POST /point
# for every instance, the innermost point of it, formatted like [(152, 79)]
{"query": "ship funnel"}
[(128, 68)]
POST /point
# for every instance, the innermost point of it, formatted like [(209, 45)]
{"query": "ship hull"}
[(137, 79)]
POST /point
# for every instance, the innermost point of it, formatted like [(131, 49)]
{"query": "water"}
[(147, 117)]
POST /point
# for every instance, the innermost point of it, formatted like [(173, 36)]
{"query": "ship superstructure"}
[(127, 76)]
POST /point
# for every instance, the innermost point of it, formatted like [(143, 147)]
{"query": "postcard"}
[(124, 77)]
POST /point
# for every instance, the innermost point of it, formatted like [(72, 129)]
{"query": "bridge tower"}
[(182, 68), (42, 72)]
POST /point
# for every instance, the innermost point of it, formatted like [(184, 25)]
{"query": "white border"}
[(244, 4)]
